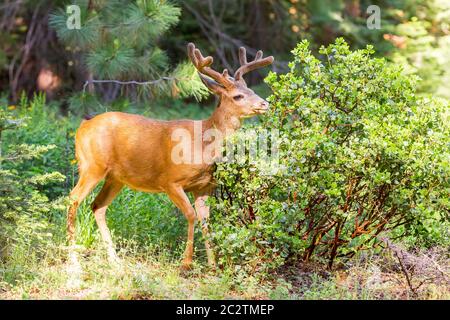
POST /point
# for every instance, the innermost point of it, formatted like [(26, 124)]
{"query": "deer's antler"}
[(246, 66), (203, 64)]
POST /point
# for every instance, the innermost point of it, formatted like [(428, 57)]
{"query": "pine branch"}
[(182, 82), (143, 83)]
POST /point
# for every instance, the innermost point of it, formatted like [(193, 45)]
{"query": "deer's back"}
[(137, 151)]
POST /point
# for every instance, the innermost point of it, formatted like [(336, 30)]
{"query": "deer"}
[(131, 150)]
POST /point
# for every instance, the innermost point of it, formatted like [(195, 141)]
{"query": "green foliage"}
[(118, 40), (413, 34), (43, 126), (24, 209), (359, 154), (426, 45)]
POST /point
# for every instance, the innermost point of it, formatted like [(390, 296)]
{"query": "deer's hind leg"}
[(87, 181), (109, 191)]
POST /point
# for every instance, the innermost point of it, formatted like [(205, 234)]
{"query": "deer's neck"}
[(223, 120)]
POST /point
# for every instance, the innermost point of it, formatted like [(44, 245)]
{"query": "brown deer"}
[(127, 149)]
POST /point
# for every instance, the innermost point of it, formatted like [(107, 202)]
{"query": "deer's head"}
[(234, 94)]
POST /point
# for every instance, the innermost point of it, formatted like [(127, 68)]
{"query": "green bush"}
[(25, 210), (44, 126), (359, 154)]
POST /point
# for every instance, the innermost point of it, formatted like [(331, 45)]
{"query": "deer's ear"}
[(212, 85)]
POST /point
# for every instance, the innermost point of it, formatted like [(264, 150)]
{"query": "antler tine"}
[(246, 67), (191, 49), (242, 56), (203, 64), (259, 55), (202, 61)]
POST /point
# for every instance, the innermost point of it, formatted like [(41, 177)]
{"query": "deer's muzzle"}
[(262, 107)]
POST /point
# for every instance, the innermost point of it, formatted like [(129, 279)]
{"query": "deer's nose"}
[(264, 105), (261, 107)]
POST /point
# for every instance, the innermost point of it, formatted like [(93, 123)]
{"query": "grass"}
[(145, 275), (152, 272)]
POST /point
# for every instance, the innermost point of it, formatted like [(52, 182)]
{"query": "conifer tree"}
[(118, 41)]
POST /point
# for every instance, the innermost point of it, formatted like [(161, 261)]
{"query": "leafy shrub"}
[(359, 154), (24, 209)]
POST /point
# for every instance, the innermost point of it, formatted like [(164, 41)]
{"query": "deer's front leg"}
[(203, 217), (180, 199)]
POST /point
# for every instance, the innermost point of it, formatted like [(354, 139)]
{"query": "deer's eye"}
[(238, 97)]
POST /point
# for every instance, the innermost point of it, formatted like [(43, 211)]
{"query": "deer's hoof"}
[(212, 266), (186, 266)]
